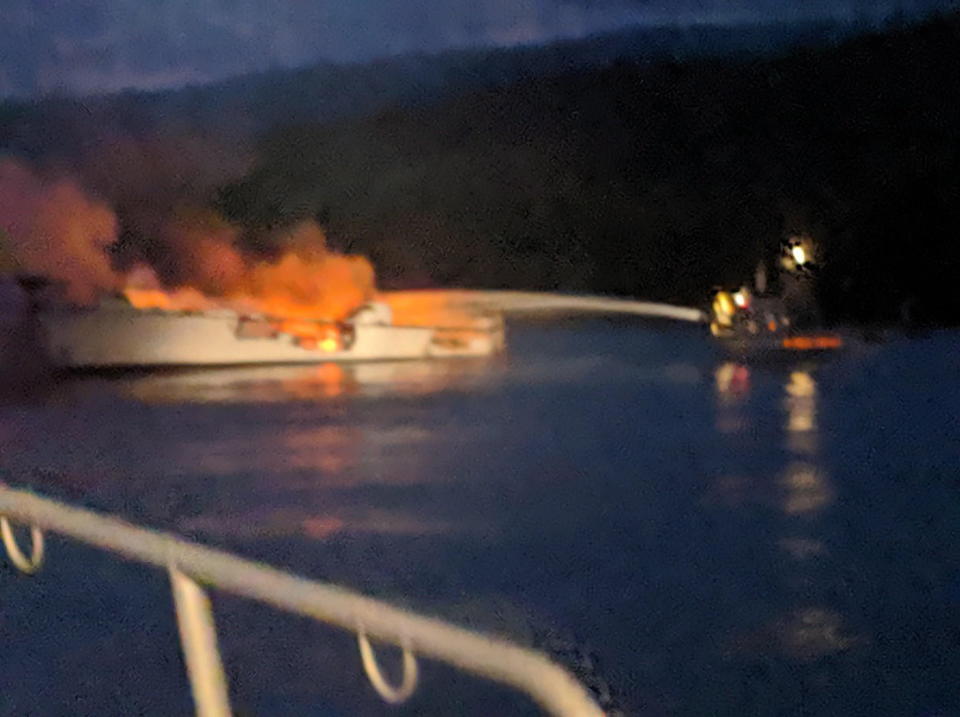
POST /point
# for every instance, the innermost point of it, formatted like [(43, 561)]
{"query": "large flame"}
[(307, 281), (193, 261), (51, 227), (448, 308)]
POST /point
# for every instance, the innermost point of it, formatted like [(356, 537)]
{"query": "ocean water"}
[(690, 534)]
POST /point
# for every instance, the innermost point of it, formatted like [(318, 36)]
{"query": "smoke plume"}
[(192, 260), (56, 230)]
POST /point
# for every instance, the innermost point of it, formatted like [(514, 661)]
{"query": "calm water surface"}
[(701, 535)]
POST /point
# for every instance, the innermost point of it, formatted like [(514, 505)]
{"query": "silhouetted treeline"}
[(655, 181)]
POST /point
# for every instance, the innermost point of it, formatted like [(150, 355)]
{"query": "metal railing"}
[(190, 565)]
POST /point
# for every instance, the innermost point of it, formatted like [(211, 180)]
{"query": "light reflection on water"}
[(732, 389), (806, 483), (292, 437), (330, 451), (305, 456), (802, 548), (801, 406), (810, 631), (308, 383), (314, 523), (807, 489), (803, 486), (802, 491), (314, 469)]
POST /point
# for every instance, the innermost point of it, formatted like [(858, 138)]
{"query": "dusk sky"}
[(78, 46)]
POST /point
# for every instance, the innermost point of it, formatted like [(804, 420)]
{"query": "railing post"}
[(198, 637)]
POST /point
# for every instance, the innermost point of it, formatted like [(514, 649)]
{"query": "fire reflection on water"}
[(324, 443), (318, 471), (331, 380), (314, 524), (316, 382)]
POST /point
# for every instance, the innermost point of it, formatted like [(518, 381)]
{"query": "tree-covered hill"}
[(656, 180)]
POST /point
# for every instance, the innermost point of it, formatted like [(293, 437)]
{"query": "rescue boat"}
[(751, 322)]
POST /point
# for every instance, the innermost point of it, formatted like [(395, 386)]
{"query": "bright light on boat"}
[(799, 254), (329, 344)]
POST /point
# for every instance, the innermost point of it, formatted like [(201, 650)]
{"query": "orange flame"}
[(53, 228), (307, 283), (437, 308)]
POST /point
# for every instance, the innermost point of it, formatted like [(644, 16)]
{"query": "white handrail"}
[(552, 687)]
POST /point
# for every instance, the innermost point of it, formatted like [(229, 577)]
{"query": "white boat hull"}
[(125, 337)]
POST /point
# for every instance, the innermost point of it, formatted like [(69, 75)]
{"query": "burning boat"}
[(193, 289), (116, 334)]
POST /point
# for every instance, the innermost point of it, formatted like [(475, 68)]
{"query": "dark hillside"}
[(656, 181)]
